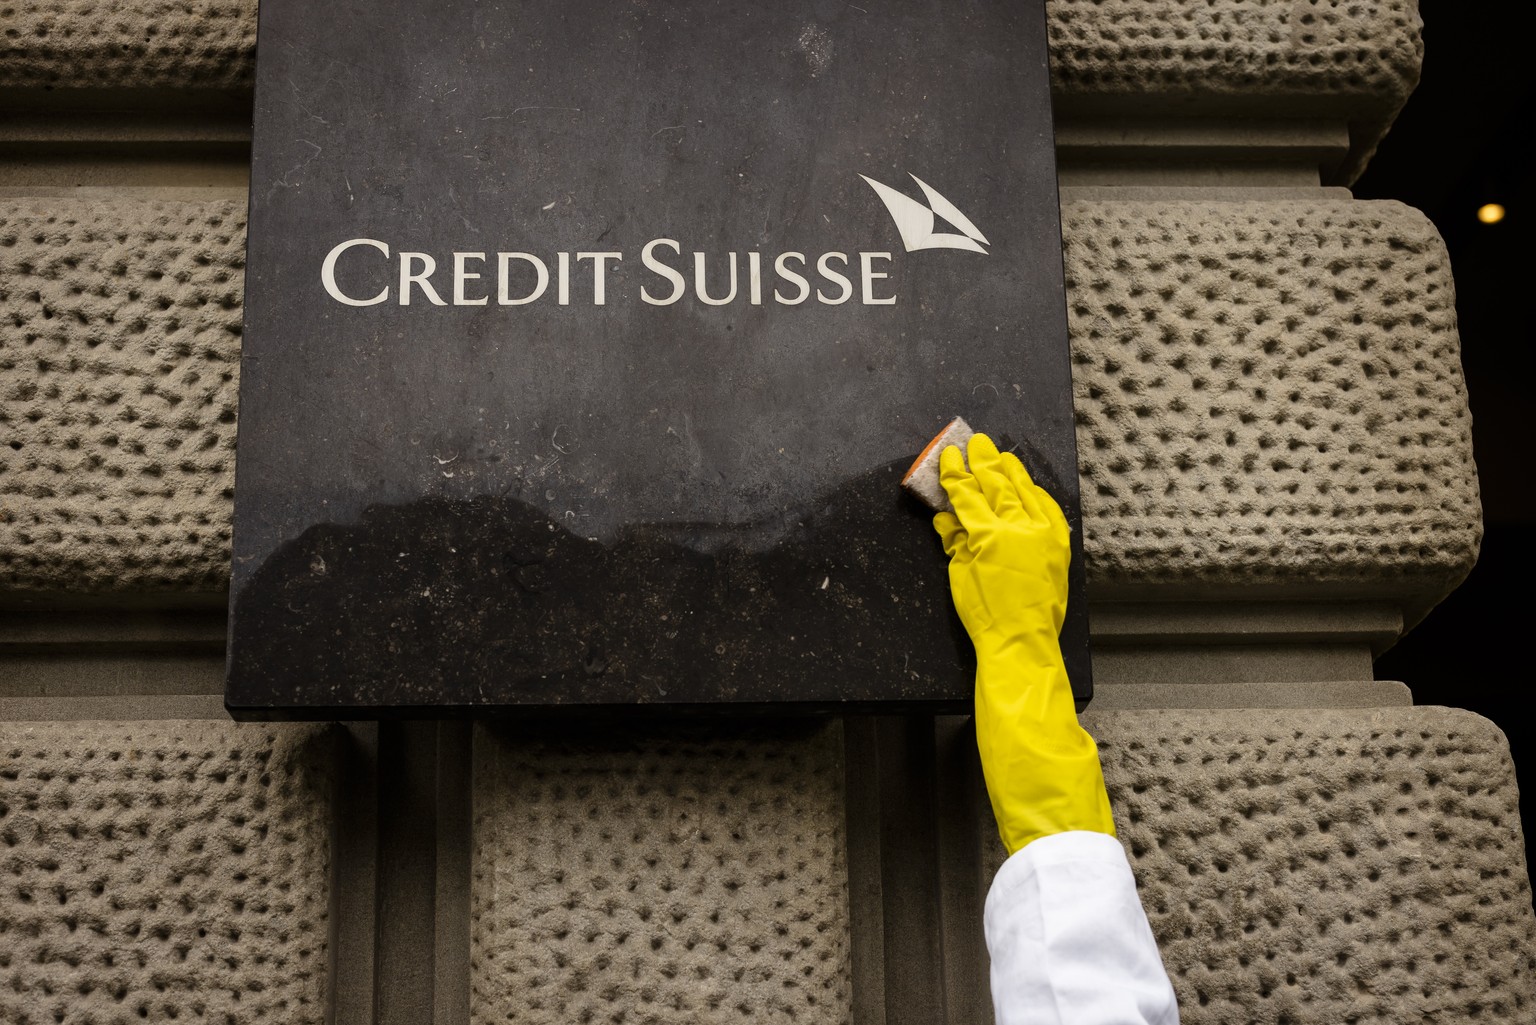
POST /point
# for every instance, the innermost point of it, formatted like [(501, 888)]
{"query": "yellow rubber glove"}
[(1008, 546)]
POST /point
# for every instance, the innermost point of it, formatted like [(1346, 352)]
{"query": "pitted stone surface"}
[(178, 44), (1354, 53), (660, 880), (1355, 60), (1325, 866), (163, 871), (119, 359), (1267, 394), (1344, 49)]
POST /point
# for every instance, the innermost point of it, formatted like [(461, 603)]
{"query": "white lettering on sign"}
[(648, 257), (599, 274), (328, 272), (717, 279), (825, 266), (461, 277), (790, 277), (523, 278), (504, 272)]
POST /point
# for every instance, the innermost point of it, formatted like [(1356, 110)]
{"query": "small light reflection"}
[(1490, 213)]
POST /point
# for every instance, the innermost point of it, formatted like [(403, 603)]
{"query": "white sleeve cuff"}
[(1069, 940)]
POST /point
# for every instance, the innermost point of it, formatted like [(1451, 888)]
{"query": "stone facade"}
[(121, 374), (1277, 481), (670, 879), (1266, 392), (1381, 837), (164, 870)]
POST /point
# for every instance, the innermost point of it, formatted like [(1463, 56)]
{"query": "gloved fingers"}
[(987, 467), (965, 493), (1024, 487), (951, 532), (1055, 517), (1037, 501)]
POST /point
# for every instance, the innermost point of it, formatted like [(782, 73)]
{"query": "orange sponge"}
[(922, 480)]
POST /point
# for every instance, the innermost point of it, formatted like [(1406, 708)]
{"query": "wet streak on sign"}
[(586, 344)]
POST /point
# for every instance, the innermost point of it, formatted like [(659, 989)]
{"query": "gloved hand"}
[(1009, 545)]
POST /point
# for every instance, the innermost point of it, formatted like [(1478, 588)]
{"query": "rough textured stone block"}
[(1325, 866), (1269, 394), (1343, 50), (163, 871), (178, 44), (1342, 59), (660, 881), (119, 358)]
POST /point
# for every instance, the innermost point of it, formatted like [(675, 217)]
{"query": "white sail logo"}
[(916, 220)]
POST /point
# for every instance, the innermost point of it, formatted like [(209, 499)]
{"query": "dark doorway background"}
[(1464, 140)]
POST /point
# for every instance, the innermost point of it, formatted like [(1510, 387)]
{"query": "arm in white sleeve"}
[(1069, 940)]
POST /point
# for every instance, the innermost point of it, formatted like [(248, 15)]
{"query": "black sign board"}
[(586, 344)]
